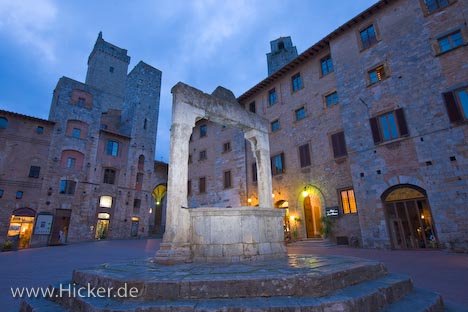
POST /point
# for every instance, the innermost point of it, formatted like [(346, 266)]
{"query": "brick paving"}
[(438, 271)]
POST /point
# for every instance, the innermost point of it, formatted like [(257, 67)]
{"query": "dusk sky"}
[(203, 43)]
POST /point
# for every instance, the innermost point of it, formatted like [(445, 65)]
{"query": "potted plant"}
[(327, 226)]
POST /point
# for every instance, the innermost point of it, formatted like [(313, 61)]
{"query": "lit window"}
[(19, 194), (203, 131), (433, 5), (109, 176), (34, 171), (296, 82), (300, 113), (277, 164), (450, 42), (227, 179), (326, 65), (348, 201), (76, 133), (275, 125), (368, 37), (40, 130), (3, 123), (67, 187), (112, 148), (272, 99), (377, 74), (332, 99), (71, 162), (105, 201)]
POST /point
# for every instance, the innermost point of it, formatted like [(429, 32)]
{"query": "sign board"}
[(332, 211), (43, 224)]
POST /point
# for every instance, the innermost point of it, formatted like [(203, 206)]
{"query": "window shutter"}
[(401, 120), (453, 111), (338, 144), (374, 124)]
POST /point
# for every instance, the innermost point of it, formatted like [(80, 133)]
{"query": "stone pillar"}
[(261, 149), (176, 241)]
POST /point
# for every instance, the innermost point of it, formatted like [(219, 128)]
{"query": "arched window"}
[(3, 123), (141, 162)]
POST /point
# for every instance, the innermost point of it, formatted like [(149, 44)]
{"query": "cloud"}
[(28, 22)]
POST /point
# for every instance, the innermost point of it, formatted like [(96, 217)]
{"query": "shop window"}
[(348, 201), (389, 126), (67, 187), (34, 171)]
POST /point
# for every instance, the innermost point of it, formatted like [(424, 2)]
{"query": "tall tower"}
[(282, 52), (107, 67)]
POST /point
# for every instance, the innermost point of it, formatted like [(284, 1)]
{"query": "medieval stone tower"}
[(282, 52)]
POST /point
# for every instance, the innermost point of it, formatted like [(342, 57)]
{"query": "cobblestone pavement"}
[(438, 271)]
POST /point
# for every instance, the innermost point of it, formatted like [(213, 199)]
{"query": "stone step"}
[(40, 305), (419, 300), (301, 276), (368, 296)]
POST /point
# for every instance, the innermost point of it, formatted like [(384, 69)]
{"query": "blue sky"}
[(203, 43)]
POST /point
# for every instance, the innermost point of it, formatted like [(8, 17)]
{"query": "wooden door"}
[(309, 217)]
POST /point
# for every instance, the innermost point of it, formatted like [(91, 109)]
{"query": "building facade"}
[(368, 128), (95, 156)]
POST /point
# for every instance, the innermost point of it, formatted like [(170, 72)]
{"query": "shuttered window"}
[(456, 104), (339, 144), (389, 126), (304, 155)]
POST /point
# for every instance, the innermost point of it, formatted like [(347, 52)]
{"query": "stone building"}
[(95, 153), (368, 127)]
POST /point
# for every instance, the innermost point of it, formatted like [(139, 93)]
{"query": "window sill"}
[(393, 141), (362, 49), (325, 75), (296, 91), (370, 85), (340, 159)]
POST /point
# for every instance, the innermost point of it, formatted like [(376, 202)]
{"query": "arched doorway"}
[(312, 211), (21, 227), (159, 193), (409, 217), (284, 204)]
